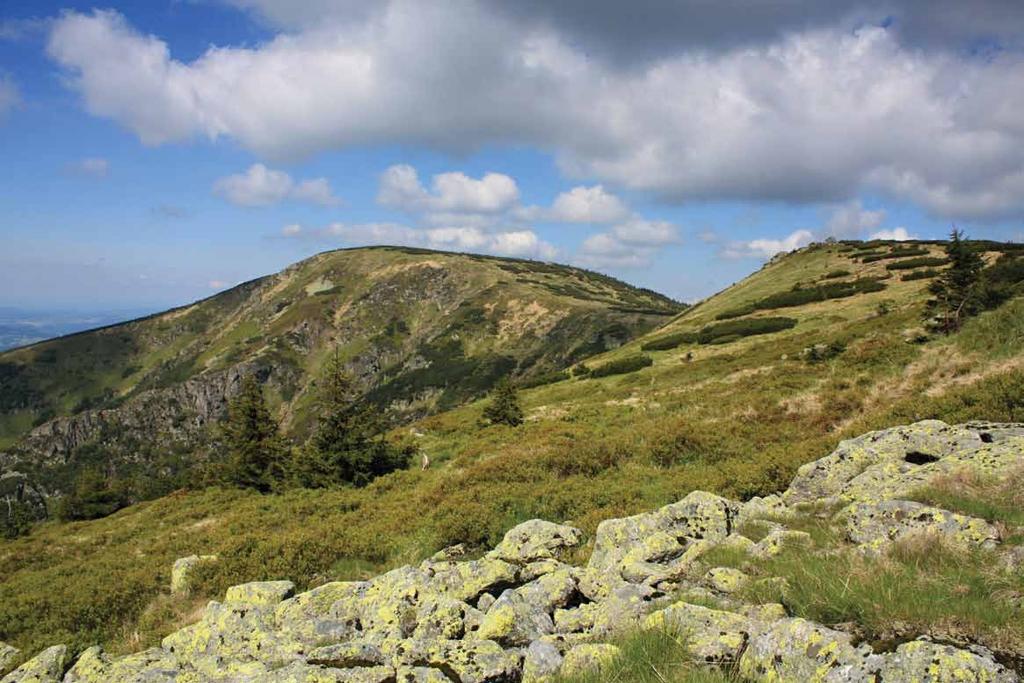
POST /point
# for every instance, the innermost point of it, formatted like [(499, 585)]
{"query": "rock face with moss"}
[(522, 613)]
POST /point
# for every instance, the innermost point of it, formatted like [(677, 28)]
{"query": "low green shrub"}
[(911, 263), (543, 379), (833, 274), (621, 366), (822, 292), (747, 327), (669, 341), (735, 313), (895, 253), (925, 274)]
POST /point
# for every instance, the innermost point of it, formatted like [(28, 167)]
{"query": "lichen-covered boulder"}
[(874, 526), (348, 655), (260, 593), (234, 639), (621, 610), (541, 661), (8, 655), (445, 618), (891, 463), (537, 540), (466, 581), (182, 570), (778, 539), (46, 667), (299, 672), (150, 666), (420, 674), (472, 661), (792, 650), (658, 546), (327, 612), (928, 662), (726, 579), (588, 658), (712, 636), (514, 621)]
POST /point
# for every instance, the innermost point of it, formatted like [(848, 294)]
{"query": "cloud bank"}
[(797, 103)]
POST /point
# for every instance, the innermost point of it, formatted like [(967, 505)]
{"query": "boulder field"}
[(522, 613)]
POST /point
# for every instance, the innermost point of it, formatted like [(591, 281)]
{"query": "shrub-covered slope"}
[(735, 418), (844, 577), (420, 331)]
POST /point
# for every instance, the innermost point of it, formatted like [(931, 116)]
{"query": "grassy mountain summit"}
[(420, 331), (731, 396)]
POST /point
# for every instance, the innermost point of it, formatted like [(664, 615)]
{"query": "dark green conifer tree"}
[(255, 451), (504, 407), (346, 445), (956, 292)]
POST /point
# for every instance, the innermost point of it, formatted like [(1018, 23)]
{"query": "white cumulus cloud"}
[(764, 248), (898, 234), (262, 186), (588, 205), (451, 192)]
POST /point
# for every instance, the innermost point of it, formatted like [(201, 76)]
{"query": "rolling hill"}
[(419, 331), (722, 401)]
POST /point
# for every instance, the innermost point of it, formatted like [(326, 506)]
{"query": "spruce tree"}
[(504, 407), (956, 293), (255, 451), (346, 445)]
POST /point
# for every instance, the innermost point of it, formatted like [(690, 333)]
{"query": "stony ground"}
[(522, 612)]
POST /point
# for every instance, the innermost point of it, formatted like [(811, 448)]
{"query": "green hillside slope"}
[(734, 413), (420, 331)]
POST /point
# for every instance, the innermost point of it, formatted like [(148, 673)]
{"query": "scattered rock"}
[(799, 650), (588, 658), (181, 572), (726, 579), (46, 667), (890, 463), (924, 661), (874, 526), (537, 540), (8, 655), (712, 636), (541, 661)]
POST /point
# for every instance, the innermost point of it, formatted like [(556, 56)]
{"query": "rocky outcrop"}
[(522, 614), (8, 655), (181, 572), (179, 413)]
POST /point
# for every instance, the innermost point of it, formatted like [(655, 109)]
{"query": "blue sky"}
[(156, 152)]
